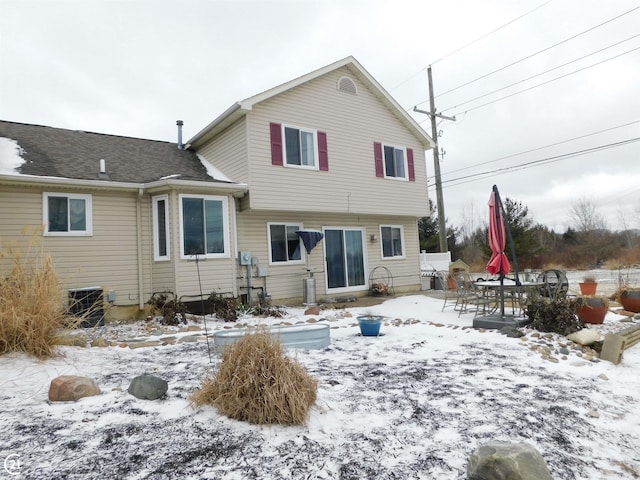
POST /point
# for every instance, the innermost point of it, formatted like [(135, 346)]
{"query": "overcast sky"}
[(134, 67)]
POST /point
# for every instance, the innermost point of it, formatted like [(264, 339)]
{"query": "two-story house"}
[(330, 151)]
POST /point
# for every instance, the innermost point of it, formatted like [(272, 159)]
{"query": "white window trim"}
[(71, 233), (394, 257), (156, 245), (406, 163), (225, 221), (314, 132), (303, 251)]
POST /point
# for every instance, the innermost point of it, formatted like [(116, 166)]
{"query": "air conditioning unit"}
[(87, 303)]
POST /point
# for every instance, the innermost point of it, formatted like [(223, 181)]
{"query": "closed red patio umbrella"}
[(498, 263)]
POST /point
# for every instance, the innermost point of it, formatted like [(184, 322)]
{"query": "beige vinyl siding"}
[(163, 272), (107, 259), (228, 152), (285, 281), (213, 274), (20, 215), (353, 124)]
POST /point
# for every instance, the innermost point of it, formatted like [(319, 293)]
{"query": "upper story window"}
[(285, 245), (394, 162), (392, 240), (204, 226), (298, 147), (67, 214), (160, 215), (301, 147)]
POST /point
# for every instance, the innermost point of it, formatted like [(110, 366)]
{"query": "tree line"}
[(588, 243)]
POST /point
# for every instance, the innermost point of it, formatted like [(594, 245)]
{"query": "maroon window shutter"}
[(323, 154), (276, 143), (377, 154), (410, 167)]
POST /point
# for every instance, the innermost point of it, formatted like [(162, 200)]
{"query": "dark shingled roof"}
[(56, 152)]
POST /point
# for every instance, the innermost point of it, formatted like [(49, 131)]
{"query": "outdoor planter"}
[(588, 286), (369, 325), (630, 300), (592, 309)]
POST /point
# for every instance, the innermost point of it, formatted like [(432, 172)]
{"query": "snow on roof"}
[(10, 156), (213, 171)]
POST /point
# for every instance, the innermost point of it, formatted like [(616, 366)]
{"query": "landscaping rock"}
[(511, 332), (586, 336), (312, 311), (148, 387), (99, 342), (71, 388), (503, 460)]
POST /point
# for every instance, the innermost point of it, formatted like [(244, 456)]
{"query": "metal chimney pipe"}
[(180, 123)]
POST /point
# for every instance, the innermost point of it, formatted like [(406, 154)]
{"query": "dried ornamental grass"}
[(31, 311), (259, 384)]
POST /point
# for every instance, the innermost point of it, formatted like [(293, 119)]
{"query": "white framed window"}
[(392, 241), (204, 226), (67, 214), (285, 245), (395, 162), (300, 147), (160, 217)]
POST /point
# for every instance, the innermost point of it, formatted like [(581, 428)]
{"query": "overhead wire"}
[(469, 44), (538, 85), (544, 161), (580, 137), (547, 71), (536, 53), (490, 33)]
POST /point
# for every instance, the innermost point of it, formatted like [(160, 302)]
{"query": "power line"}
[(539, 162), (546, 71), (544, 146), (469, 44), (541, 84), (537, 53), (491, 32)]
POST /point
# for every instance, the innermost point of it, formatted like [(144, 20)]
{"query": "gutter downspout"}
[(139, 247)]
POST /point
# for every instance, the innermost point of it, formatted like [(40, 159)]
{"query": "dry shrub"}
[(258, 383), (31, 310)]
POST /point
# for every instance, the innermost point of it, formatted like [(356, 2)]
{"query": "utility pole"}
[(442, 232)]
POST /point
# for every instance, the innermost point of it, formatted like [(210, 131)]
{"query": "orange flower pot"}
[(630, 300), (588, 288), (592, 310)]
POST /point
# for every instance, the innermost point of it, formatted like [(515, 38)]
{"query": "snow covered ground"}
[(412, 403)]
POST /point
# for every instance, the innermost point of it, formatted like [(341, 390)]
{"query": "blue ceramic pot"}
[(369, 325)]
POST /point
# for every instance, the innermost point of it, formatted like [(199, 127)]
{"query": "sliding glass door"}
[(345, 256)]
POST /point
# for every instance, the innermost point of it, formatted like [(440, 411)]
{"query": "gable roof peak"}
[(241, 108)]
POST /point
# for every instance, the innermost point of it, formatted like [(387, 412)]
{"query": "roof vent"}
[(102, 172), (180, 123), (347, 85)]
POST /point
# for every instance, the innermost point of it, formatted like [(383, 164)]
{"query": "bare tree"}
[(586, 217)]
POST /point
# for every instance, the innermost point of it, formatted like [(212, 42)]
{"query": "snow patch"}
[(213, 171), (10, 156)]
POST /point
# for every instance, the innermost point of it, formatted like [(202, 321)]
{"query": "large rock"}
[(70, 388), (507, 461), (148, 387), (586, 336)]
